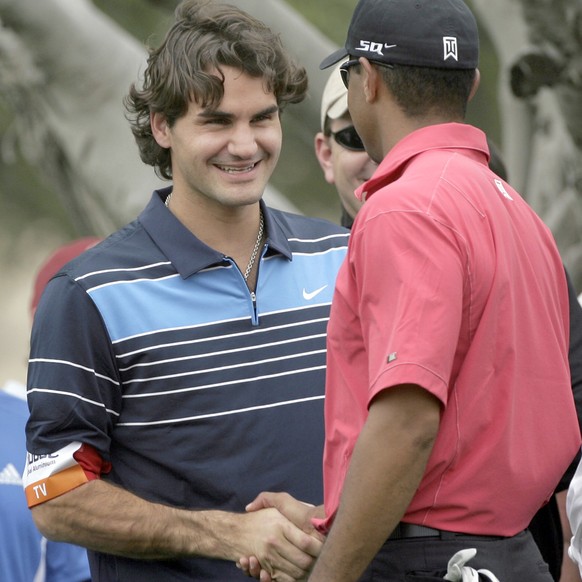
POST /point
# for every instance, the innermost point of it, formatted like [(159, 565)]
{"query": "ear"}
[(324, 156), (160, 129), (475, 86), (370, 81)]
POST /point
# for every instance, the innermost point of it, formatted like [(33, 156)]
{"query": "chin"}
[(244, 198)]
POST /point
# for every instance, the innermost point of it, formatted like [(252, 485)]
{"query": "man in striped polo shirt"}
[(177, 368)]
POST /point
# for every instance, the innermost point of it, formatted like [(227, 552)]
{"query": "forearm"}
[(385, 470), (106, 518)]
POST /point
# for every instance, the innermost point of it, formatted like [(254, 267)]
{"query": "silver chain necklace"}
[(256, 247), (257, 243)]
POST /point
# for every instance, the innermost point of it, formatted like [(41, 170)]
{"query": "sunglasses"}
[(349, 139), (345, 69)]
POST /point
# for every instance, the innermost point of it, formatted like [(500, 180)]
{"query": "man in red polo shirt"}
[(449, 410), (449, 403)]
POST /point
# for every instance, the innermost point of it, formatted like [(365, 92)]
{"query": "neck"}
[(217, 225), (234, 231)]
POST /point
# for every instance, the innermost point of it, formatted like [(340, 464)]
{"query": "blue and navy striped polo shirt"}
[(151, 348)]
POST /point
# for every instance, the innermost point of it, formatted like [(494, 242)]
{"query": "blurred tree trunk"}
[(64, 69), (539, 46)]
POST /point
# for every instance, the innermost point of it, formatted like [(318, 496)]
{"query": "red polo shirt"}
[(453, 283)]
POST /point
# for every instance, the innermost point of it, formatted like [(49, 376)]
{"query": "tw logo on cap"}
[(450, 48)]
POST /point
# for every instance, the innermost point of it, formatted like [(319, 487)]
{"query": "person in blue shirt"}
[(178, 367), (25, 554)]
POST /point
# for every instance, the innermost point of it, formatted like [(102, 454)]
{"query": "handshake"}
[(279, 539)]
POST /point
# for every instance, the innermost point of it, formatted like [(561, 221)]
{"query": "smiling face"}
[(224, 155)]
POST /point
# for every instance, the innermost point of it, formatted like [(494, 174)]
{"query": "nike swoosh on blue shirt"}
[(310, 295)]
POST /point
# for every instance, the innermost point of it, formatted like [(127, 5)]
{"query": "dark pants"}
[(546, 529), (515, 559)]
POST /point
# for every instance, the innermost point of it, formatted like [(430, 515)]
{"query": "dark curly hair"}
[(204, 37)]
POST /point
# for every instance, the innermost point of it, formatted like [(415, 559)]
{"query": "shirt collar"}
[(459, 137), (185, 251)]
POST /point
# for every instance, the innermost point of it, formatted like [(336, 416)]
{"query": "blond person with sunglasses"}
[(339, 149)]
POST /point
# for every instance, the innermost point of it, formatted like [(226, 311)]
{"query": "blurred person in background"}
[(339, 149), (25, 555)]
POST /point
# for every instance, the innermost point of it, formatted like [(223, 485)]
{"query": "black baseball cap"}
[(423, 33)]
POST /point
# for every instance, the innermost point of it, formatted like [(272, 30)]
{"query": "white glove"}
[(458, 572)]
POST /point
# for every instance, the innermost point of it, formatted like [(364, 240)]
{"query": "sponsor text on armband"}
[(48, 476)]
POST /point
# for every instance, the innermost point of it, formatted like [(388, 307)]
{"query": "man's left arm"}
[(386, 468)]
